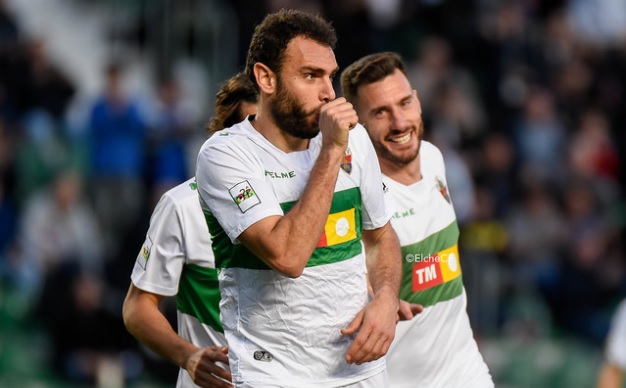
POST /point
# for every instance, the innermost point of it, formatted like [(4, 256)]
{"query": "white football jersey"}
[(285, 331), (177, 259)]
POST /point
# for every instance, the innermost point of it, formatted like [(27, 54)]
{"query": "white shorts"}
[(379, 380)]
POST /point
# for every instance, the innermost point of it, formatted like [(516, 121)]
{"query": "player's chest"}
[(419, 212), (290, 176)]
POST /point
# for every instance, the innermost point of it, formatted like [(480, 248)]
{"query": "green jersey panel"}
[(340, 240), (199, 295), (427, 277)]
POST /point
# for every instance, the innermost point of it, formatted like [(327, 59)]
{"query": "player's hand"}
[(407, 310), (376, 326), (204, 371), (337, 118)]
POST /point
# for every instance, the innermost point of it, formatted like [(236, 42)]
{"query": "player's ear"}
[(265, 78)]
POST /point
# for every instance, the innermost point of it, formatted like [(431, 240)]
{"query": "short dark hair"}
[(369, 69), (273, 34), (228, 101)]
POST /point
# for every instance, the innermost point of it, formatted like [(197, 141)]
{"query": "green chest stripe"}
[(433, 295), (434, 243), (199, 295), (342, 200), (425, 250), (335, 254), (335, 249)]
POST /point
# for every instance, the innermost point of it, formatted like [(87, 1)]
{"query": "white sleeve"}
[(160, 262), (616, 341), (232, 186), (377, 205)]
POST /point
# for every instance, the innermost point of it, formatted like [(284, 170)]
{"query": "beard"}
[(400, 158), (291, 117)]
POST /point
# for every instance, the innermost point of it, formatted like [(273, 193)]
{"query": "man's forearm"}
[(377, 321), (290, 242), (145, 322), (314, 204), (384, 263)]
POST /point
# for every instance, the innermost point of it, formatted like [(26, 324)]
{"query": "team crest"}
[(443, 189), (346, 162)]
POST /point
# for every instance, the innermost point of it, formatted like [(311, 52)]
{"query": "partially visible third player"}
[(176, 259)]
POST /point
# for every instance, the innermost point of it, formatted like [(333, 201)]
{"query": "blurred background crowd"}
[(103, 106)]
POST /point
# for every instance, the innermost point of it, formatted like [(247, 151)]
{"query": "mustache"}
[(401, 132), (313, 112)]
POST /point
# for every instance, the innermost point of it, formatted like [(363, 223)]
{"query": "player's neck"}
[(406, 174), (267, 127)]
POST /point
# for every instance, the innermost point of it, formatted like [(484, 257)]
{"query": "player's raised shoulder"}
[(359, 134), (359, 130), (227, 135), (429, 150)]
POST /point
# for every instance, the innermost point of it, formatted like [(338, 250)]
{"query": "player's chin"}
[(314, 121), (400, 156), (311, 131)]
